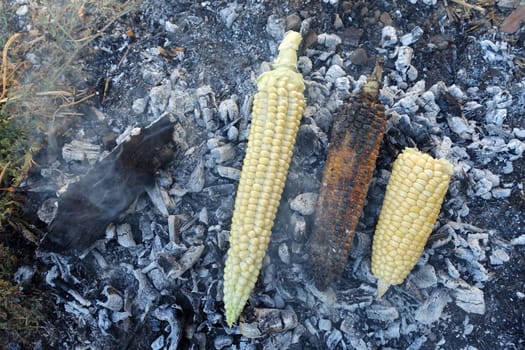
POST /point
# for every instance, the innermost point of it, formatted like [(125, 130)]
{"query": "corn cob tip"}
[(382, 287), (288, 51), (374, 81), (291, 40)]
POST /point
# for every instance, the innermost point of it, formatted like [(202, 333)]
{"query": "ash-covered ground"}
[(453, 86)]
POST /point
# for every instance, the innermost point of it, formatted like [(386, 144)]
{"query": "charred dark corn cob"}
[(355, 140), (277, 110), (413, 199)]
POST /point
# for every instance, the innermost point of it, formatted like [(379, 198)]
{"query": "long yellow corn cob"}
[(413, 199), (277, 110)]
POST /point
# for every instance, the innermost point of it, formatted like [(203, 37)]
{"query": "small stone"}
[(293, 22), (471, 106), (358, 56), (330, 41), (342, 86), (385, 19), (338, 22), (451, 269), (310, 39), (32, 58), (173, 228), (22, 10), (139, 105), (304, 203)]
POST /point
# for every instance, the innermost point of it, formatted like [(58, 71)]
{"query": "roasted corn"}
[(354, 144)]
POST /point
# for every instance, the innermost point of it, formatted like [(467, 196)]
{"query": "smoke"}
[(109, 188)]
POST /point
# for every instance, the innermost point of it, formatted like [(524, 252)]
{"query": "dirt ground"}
[(458, 93)]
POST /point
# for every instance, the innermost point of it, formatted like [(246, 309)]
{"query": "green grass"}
[(36, 100)]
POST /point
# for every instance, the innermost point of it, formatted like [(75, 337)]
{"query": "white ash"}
[(520, 240), (275, 26), (412, 37), (81, 151), (388, 36), (125, 236), (424, 277), (139, 105), (330, 41), (432, 308), (230, 13), (183, 252)]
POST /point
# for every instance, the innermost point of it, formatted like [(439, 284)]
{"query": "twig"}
[(5, 63), (2, 173), (55, 93), (469, 6), (78, 101), (106, 88)]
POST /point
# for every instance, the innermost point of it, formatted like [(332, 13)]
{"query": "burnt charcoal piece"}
[(108, 189)]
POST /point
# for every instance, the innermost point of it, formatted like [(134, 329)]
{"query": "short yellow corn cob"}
[(413, 199), (277, 110)]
